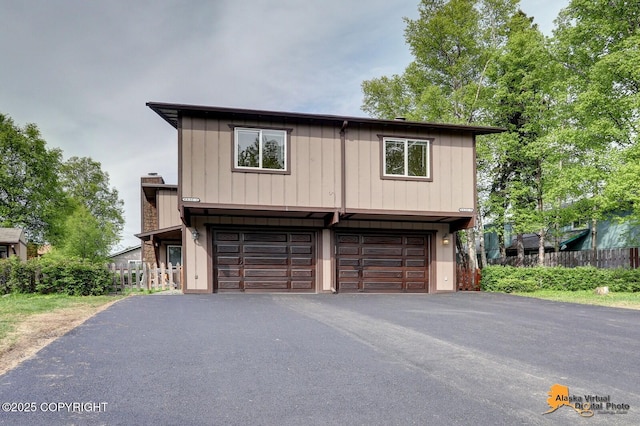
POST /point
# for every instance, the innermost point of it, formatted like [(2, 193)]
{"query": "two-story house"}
[(276, 201)]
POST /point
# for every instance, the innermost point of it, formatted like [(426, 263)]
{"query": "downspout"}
[(343, 167)]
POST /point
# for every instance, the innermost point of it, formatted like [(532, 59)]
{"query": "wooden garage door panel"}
[(265, 285), (382, 251), (264, 260), (382, 262), (381, 274), (382, 286), (277, 261), (229, 285), (421, 285), (371, 261), (228, 272), (265, 273), (273, 249), (302, 285), (262, 236), (378, 239)]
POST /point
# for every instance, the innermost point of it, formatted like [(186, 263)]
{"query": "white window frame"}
[(260, 132), (406, 142)]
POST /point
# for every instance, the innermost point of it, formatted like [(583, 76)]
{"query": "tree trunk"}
[(541, 247), (540, 203), (471, 249), (520, 250), (461, 251), (483, 252), (503, 249), (594, 242)]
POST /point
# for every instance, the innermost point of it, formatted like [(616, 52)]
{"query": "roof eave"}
[(172, 112)]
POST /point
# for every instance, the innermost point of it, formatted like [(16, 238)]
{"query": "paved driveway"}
[(465, 358)]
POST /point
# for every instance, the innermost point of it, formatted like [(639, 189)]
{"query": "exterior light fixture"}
[(195, 234), (445, 240)]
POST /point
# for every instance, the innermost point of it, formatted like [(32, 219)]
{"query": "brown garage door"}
[(383, 262), (261, 260)]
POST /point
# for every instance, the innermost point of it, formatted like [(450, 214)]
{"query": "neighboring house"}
[(161, 225), (275, 201), (12, 243), (128, 256), (613, 233)]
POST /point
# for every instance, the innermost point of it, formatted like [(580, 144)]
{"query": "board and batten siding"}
[(168, 214), (453, 168), (207, 174)]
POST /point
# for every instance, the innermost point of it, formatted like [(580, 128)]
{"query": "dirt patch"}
[(37, 331)]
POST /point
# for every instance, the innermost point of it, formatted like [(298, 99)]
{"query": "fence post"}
[(170, 274), (112, 269), (129, 277), (161, 277), (149, 278), (121, 272)]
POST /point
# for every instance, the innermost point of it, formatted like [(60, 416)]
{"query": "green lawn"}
[(14, 308), (588, 297)]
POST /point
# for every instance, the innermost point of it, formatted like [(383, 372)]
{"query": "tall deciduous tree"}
[(453, 43), (522, 77), (30, 196), (86, 237), (598, 43), (88, 188)]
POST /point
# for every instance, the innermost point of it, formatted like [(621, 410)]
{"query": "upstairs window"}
[(260, 149), (406, 158)]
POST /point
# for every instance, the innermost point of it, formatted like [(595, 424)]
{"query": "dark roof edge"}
[(170, 112), (143, 235), (159, 185)]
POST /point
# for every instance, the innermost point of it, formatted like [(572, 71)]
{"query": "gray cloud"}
[(83, 70)]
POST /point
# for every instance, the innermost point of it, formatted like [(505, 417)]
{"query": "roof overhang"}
[(455, 220), (150, 189), (171, 233), (171, 113)]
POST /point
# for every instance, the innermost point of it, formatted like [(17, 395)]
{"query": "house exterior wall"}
[(452, 173), (332, 194), (124, 258), (13, 243), (207, 155), (315, 170), (167, 207), (198, 262)]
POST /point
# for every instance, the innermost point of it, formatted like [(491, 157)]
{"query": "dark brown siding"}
[(264, 260), (382, 262)]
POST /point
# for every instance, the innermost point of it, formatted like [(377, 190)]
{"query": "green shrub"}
[(54, 275), (509, 279)]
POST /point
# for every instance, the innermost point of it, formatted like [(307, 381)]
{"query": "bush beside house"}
[(510, 279), (52, 275)]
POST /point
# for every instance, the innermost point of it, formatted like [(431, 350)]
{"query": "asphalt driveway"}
[(268, 359)]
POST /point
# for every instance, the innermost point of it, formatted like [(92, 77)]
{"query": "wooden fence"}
[(146, 276), (467, 279), (606, 259)]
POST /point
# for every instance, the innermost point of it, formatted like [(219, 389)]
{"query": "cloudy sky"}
[(83, 70)]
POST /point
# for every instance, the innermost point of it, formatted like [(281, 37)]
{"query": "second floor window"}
[(260, 149), (406, 158)]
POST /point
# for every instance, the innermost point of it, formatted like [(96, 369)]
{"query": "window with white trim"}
[(260, 149), (407, 158)]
